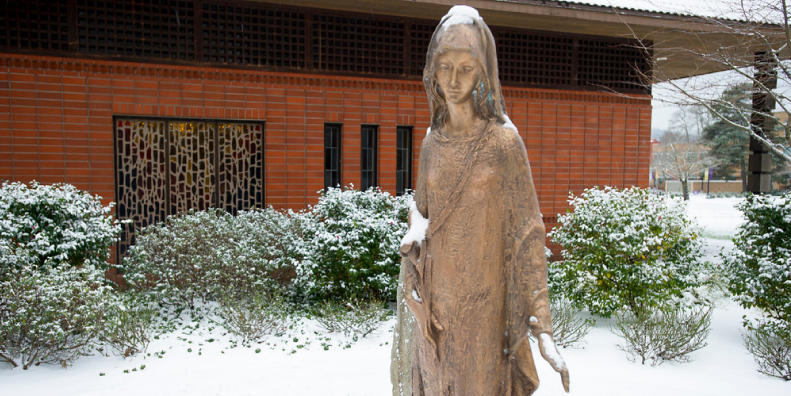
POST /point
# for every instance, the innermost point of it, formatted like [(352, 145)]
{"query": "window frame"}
[(332, 166), (403, 159), (369, 156)]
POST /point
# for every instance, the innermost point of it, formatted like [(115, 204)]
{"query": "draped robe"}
[(480, 284)]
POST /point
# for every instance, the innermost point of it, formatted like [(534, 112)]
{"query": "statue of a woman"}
[(476, 280)]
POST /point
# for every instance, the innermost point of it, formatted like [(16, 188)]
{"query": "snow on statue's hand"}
[(549, 352)]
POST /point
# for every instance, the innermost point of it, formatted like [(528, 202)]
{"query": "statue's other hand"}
[(549, 352), (411, 250)]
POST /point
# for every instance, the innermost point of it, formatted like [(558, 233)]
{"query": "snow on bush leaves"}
[(625, 248), (48, 225), (54, 240), (193, 256), (759, 266), (346, 246), (352, 241), (53, 316)]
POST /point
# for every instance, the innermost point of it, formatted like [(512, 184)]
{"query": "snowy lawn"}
[(202, 361)]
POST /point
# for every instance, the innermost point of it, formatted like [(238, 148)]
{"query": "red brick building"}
[(166, 105)]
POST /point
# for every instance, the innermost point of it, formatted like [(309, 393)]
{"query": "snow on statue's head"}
[(462, 29)]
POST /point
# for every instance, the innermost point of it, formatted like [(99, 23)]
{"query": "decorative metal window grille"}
[(368, 157), (332, 155), (278, 37), (161, 29), (165, 167), (240, 166), (35, 25), (142, 193), (253, 35), (358, 44), (403, 159)]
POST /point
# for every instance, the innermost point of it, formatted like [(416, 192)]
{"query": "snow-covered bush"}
[(351, 245), (51, 316), (770, 349), (192, 256), (129, 323), (352, 318), (569, 328), (251, 315), (54, 242), (759, 266), (47, 225), (669, 332), (625, 249)]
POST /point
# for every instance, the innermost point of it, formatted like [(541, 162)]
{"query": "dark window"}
[(332, 155), (368, 157), (169, 166), (403, 159)]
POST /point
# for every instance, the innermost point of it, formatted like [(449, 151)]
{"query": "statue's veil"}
[(451, 34)]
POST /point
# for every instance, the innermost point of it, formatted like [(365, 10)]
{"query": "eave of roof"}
[(672, 34)]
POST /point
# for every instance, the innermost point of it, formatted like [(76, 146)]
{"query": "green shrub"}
[(54, 301), (759, 266), (568, 328), (52, 316), (344, 247), (770, 349), (669, 332), (50, 225), (352, 317), (129, 324), (253, 314), (193, 256), (625, 248), (351, 245)]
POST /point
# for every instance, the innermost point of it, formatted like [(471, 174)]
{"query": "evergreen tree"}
[(728, 142)]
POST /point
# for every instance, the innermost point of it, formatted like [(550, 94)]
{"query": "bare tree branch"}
[(680, 154), (764, 28)]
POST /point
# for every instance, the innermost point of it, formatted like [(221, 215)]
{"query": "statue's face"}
[(457, 74)]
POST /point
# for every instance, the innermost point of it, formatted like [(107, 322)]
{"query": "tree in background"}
[(728, 143), (755, 52), (681, 154)]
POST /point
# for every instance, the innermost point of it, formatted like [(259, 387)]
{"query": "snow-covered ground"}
[(201, 361)]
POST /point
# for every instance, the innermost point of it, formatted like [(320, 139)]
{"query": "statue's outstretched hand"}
[(549, 352), (411, 250)]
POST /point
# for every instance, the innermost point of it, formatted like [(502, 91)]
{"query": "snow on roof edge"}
[(581, 5)]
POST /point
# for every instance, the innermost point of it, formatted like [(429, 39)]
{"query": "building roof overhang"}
[(675, 38)]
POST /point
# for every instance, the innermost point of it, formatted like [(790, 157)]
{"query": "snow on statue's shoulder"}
[(417, 228), (508, 124), (460, 14)]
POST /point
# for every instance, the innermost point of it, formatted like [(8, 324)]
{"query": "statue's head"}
[(462, 42)]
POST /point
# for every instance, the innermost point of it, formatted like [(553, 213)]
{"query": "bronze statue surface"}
[(475, 272)]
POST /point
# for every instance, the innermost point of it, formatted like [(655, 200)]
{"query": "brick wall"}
[(56, 124)]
